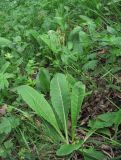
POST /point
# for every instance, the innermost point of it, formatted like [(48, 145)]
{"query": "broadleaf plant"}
[(59, 92), (5, 42), (43, 80), (4, 76), (77, 97), (61, 105), (39, 104)]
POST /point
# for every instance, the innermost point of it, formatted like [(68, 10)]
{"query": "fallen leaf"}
[(3, 109)]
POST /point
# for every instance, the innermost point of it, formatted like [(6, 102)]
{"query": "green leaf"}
[(84, 39), (60, 98), (111, 30), (106, 120), (75, 40), (4, 80), (33, 33), (8, 144), (6, 149), (5, 42), (90, 65), (90, 23), (52, 40), (7, 123), (43, 80), (67, 149), (60, 20), (117, 119), (92, 154), (71, 80), (39, 104), (4, 67), (77, 97), (105, 131), (5, 126)]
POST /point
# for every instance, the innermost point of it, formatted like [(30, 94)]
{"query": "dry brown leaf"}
[(3, 109)]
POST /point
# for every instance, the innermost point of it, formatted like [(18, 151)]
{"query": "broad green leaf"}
[(84, 39), (69, 57), (106, 120), (75, 40), (8, 144), (111, 30), (71, 80), (52, 40), (60, 98), (105, 131), (117, 119), (4, 80), (6, 149), (77, 97), (67, 149), (60, 20), (111, 40), (90, 65), (7, 123), (4, 67), (92, 154), (5, 126), (39, 104), (43, 80), (90, 23), (32, 32), (5, 42)]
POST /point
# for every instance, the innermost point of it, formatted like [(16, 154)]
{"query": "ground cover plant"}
[(60, 79)]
